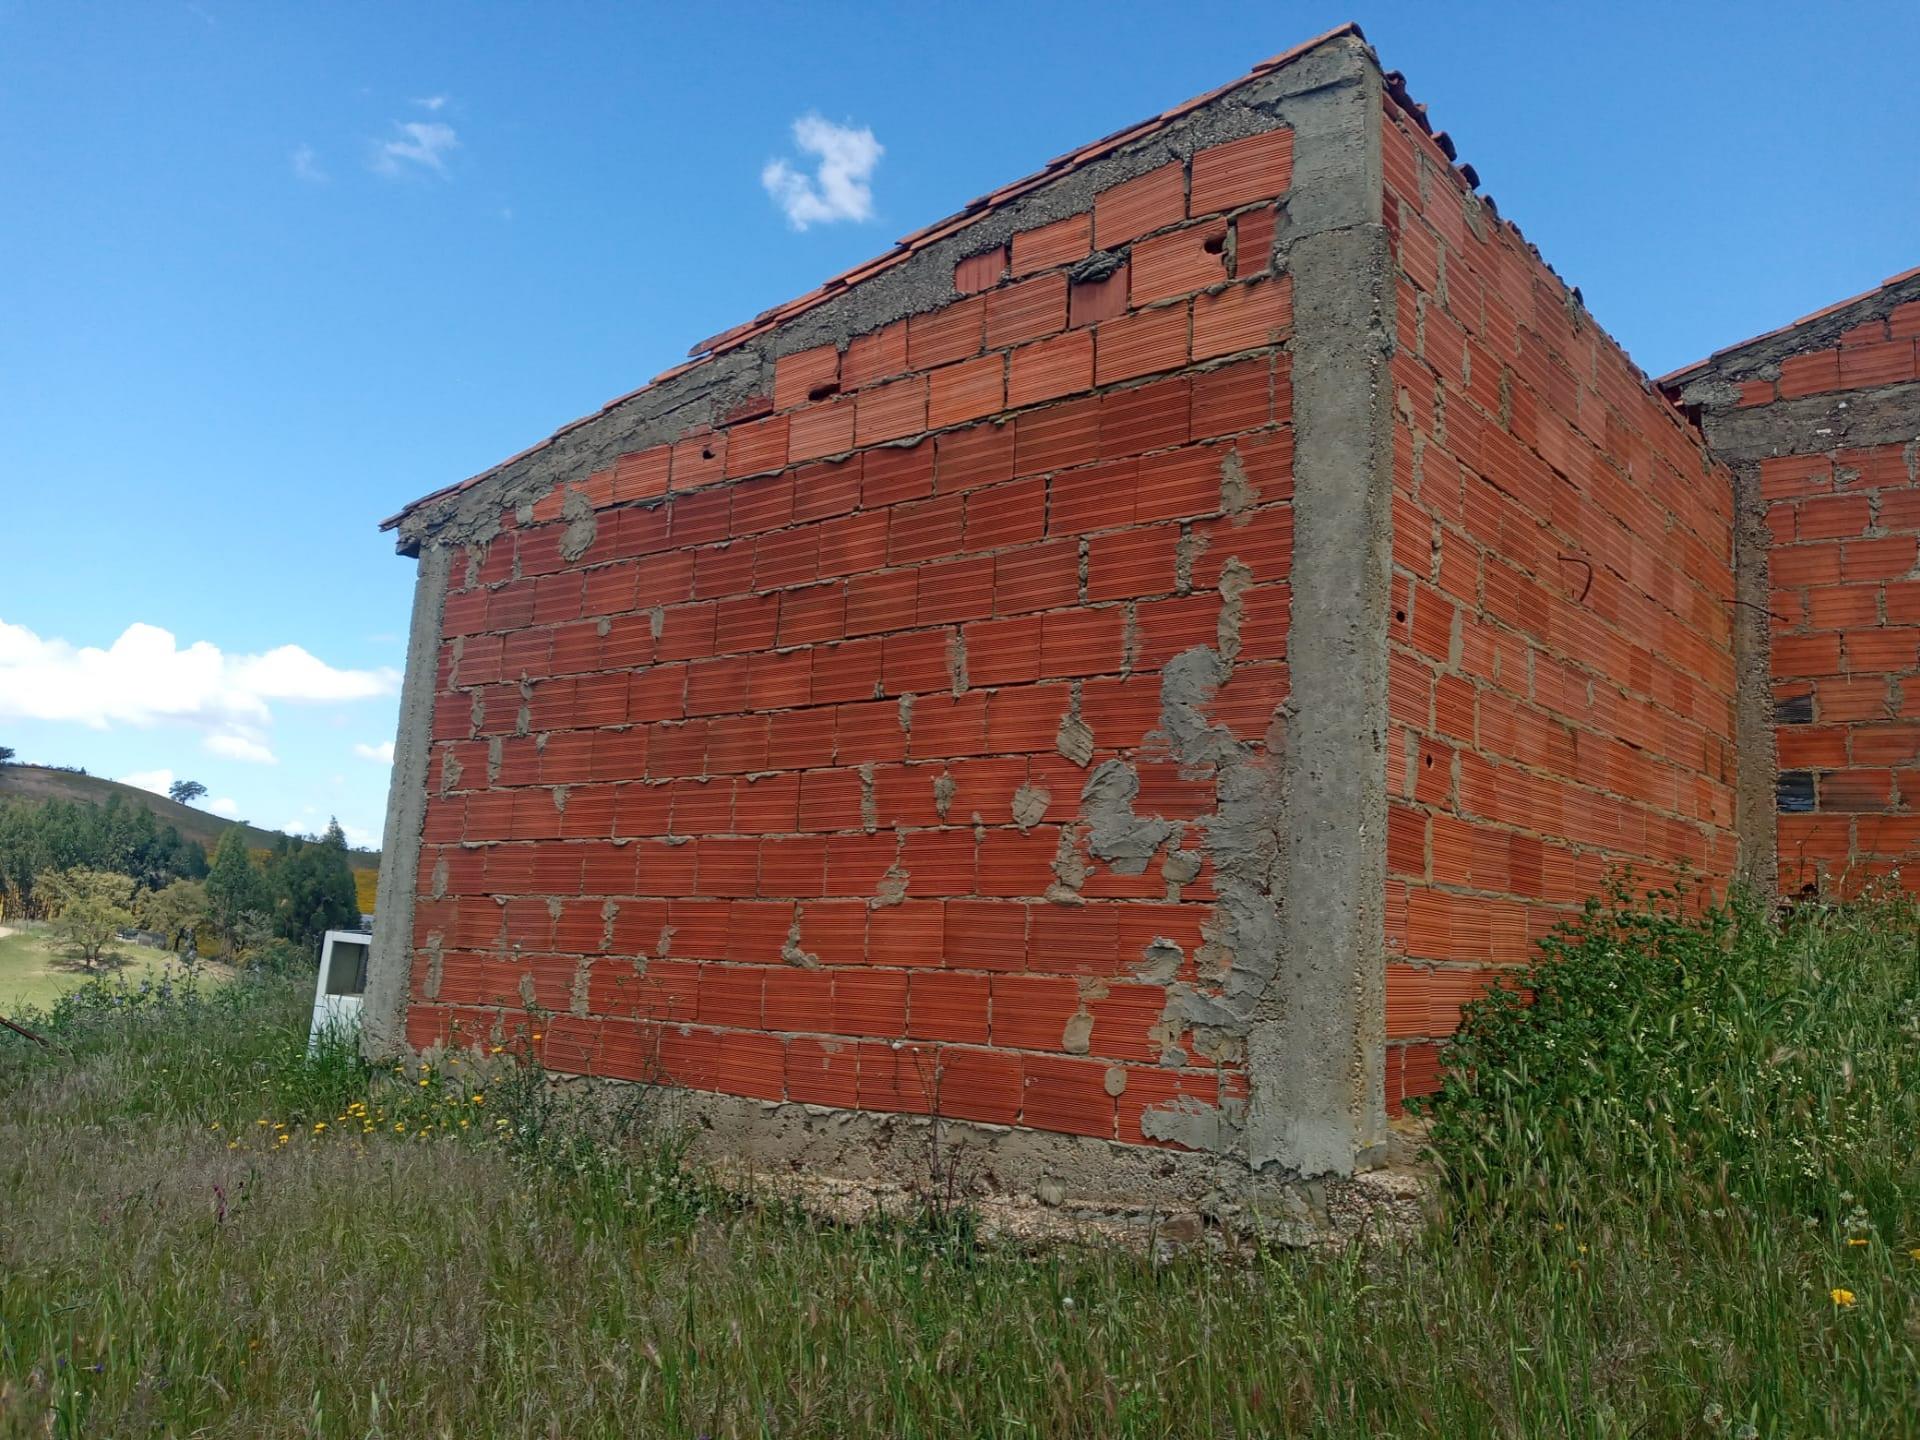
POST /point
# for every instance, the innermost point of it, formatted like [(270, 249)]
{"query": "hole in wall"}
[(1428, 762), (706, 452), (1214, 244), (1399, 617), (823, 390)]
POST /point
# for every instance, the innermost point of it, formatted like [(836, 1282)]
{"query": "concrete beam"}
[(1851, 419)]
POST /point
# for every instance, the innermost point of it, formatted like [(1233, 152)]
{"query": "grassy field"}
[(34, 972), (1704, 1223)]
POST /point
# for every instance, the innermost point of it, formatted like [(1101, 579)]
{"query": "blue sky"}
[(267, 271)]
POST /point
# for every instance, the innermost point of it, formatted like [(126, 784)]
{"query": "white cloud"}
[(432, 102), (306, 165), (241, 747), (383, 752), (225, 807), (145, 678), (838, 189), (287, 672), (158, 781), (359, 837), (418, 145)]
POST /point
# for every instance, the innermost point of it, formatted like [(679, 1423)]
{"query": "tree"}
[(313, 888), (186, 791), (6, 753), (38, 836), (90, 908), (177, 911), (235, 886)]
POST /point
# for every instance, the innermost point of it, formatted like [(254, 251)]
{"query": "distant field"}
[(34, 973)]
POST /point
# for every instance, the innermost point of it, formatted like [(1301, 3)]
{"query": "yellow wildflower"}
[(479, 1099), (424, 1084), (318, 1126), (495, 1050), (1841, 1298), (1855, 1242)]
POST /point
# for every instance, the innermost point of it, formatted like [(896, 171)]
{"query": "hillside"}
[(38, 782)]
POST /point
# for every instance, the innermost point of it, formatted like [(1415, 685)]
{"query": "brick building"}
[(1115, 673), (1820, 422)]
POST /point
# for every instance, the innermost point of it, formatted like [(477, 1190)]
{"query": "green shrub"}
[(1657, 1054), (283, 957)]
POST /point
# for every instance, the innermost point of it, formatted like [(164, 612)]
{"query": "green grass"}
[(1642, 1242), (34, 972)]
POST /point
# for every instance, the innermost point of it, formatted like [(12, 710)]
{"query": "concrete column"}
[(1755, 805), (383, 1024), (1317, 1047)]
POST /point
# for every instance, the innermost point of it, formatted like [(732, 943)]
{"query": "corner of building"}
[(1316, 1053), (383, 1033)]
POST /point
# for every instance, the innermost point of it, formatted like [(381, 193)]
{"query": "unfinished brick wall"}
[(1825, 419), (1562, 676), (758, 757)]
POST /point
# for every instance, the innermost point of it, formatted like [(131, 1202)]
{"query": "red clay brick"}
[(1259, 167), (891, 410), (980, 272), (953, 332), (1178, 263), (1027, 311), (1140, 344), (1059, 243), (966, 391), (1134, 207), (1242, 317), (1050, 368)]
